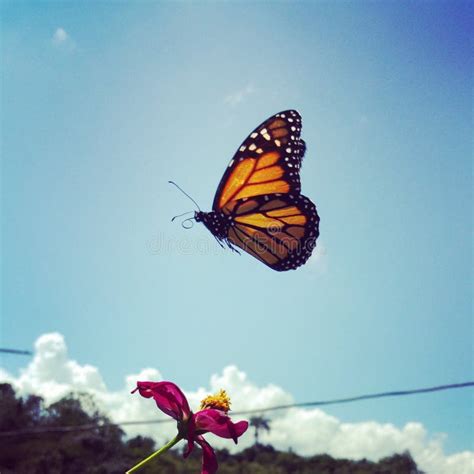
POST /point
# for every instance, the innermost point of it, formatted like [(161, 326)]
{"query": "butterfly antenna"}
[(181, 215), (188, 223), (185, 193)]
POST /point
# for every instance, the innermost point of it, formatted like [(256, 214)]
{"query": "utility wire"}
[(16, 351), (87, 427), (358, 398)]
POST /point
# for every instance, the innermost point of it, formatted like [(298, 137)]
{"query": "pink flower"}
[(212, 418)]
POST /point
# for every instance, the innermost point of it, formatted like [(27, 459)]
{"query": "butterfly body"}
[(258, 206), (217, 224)]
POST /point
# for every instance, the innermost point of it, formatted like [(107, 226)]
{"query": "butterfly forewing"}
[(279, 230), (267, 162)]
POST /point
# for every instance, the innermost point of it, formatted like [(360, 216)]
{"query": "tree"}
[(259, 423), (72, 436)]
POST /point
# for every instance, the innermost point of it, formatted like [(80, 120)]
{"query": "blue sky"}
[(97, 118)]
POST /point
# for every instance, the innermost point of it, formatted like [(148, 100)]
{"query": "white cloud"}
[(237, 97), (61, 39), (53, 374), (60, 36), (318, 262)]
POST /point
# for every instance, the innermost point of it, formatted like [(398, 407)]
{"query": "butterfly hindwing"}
[(267, 162), (279, 230)]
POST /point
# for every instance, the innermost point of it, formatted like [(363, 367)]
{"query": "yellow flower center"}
[(219, 401)]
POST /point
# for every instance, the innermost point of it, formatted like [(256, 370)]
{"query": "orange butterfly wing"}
[(267, 162), (258, 206), (280, 231)]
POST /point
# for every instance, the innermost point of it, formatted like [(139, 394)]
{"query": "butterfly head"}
[(214, 221), (199, 216)]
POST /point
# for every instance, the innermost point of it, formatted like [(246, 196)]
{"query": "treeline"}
[(104, 449)]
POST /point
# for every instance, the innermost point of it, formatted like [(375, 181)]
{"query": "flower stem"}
[(155, 454)]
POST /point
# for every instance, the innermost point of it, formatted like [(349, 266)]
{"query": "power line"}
[(16, 351), (358, 398), (88, 427)]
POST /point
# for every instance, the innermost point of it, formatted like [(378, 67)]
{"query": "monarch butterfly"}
[(258, 206)]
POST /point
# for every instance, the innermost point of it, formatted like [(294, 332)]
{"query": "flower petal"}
[(189, 448), (218, 423), (209, 460), (168, 397), (190, 436)]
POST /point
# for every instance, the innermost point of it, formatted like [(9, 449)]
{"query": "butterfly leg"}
[(219, 242), (229, 244)]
